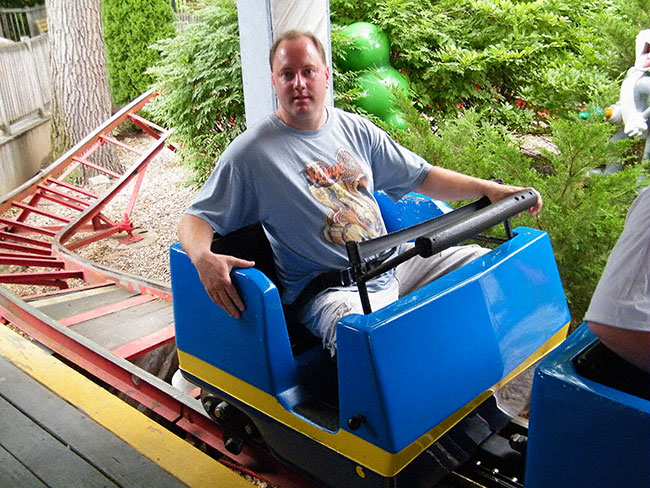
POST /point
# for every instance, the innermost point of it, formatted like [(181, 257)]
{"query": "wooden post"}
[(33, 68), (4, 120)]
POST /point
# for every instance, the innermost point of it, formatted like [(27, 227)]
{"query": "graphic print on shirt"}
[(342, 186)]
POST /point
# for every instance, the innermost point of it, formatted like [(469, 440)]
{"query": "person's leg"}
[(324, 311), (631, 345), (417, 272)]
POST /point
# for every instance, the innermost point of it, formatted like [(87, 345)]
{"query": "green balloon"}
[(396, 121), (392, 78), (369, 48), (376, 97)]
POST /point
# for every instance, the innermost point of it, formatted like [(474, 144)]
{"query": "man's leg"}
[(324, 311), (417, 272), (631, 345)]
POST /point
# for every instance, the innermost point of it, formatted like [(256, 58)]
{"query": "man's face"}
[(300, 79)]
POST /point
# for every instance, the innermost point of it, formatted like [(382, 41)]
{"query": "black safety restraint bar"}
[(433, 236)]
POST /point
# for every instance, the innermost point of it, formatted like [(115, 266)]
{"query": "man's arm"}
[(195, 236), (448, 185)]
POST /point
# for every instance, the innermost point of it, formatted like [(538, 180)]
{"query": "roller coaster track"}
[(98, 318)]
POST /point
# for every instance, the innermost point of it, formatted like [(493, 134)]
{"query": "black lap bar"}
[(435, 235)]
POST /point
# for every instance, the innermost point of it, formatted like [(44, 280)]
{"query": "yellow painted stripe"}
[(547, 347), (165, 449), (345, 443)]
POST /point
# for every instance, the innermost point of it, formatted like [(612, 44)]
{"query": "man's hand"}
[(498, 192), (214, 272)]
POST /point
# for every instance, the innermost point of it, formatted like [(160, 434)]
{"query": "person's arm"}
[(196, 235), (448, 185), (631, 345)]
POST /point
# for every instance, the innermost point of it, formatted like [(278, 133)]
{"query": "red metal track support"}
[(54, 248), (141, 386)]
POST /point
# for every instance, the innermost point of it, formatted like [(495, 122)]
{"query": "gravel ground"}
[(161, 201)]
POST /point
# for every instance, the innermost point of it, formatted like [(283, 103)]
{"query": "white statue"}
[(632, 108)]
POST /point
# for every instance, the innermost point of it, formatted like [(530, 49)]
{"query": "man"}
[(619, 312), (308, 174)]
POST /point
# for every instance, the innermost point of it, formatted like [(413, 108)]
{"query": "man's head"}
[(293, 34), (300, 77)]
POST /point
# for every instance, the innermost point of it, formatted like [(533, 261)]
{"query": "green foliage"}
[(130, 28), (583, 211), (550, 55), (199, 77), (20, 3), (619, 25)]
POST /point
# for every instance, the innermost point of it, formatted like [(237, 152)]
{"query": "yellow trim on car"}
[(343, 442)]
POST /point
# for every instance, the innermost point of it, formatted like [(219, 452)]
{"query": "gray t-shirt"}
[(311, 190), (622, 297)]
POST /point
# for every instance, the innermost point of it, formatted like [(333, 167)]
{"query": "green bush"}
[(583, 211), (20, 3), (199, 76), (550, 56), (130, 28)]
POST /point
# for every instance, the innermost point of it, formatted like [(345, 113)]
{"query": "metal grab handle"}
[(459, 231), (435, 235)]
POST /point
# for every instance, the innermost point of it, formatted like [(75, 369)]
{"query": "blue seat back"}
[(254, 348)]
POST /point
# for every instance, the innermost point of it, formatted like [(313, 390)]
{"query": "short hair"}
[(294, 34)]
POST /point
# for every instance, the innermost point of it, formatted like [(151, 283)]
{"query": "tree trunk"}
[(80, 94)]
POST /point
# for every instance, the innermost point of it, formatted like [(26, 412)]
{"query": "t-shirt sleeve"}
[(396, 170), (225, 201), (622, 297)]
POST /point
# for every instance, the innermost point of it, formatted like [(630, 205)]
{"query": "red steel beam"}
[(70, 290), (42, 262), (69, 187), (108, 309), (61, 198), (25, 240), (145, 124), (46, 278), (19, 248), (31, 228), (146, 344), (93, 238), (44, 213), (97, 167), (118, 143)]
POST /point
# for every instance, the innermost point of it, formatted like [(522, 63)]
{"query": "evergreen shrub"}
[(199, 78), (130, 28), (20, 3), (584, 211)]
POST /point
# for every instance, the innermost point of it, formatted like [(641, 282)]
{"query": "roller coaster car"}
[(410, 394), (589, 419)]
